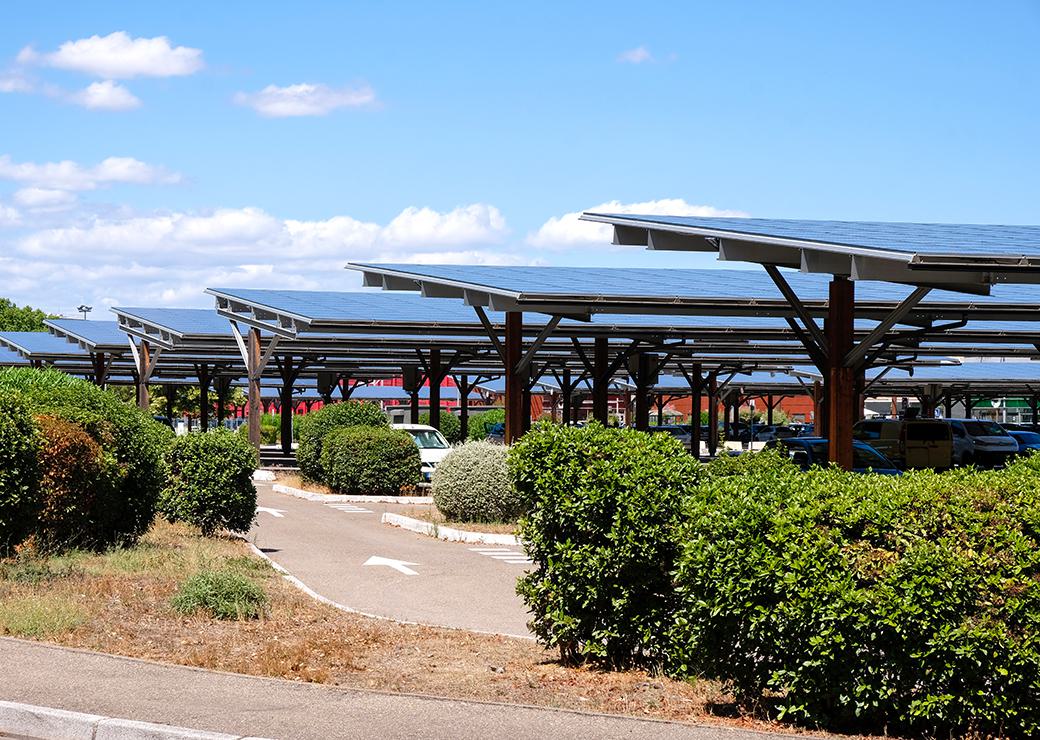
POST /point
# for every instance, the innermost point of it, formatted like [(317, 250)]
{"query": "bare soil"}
[(121, 604)]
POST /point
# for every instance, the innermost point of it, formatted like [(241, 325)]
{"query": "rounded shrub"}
[(211, 482), (450, 427), (603, 512), (871, 603), (19, 471), (76, 478), (222, 594), (472, 484), (313, 427), (370, 460), (480, 424), (133, 440)]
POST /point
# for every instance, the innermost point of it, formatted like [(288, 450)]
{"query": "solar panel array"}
[(97, 334), (961, 239)]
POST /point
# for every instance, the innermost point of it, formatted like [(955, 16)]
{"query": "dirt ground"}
[(120, 602)]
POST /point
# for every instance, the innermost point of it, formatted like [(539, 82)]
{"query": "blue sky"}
[(456, 131)]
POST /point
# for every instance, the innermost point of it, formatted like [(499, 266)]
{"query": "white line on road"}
[(503, 555), (398, 565), (276, 513), (349, 508)]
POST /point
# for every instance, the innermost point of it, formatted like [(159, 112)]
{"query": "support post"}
[(695, 409), (202, 371), (1034, 403), (223, 386), (514, 380), (253, 373), (566, 390), (600, 380), (642, 391), (713, 415), (841, 385), (769, 409), (434, 371), (948, 407), (288, 371), (144, 360), (170, 392)]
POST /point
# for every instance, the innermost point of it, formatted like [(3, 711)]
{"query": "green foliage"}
[(132, 442), (77, 476), (313, 428), (370, 460), (270, 429), (23, 318), (211, 482), (909, 603), (604, 510), (19, 471), (450, 427), (222, 594), (472, 484), (480, 424)]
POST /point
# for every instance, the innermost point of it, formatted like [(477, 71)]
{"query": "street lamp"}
[(85, 309)]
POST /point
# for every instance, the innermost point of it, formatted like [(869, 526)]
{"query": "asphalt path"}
[(81, 681), (326, 545)]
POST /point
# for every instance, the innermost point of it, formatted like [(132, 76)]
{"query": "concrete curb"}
[(333, 498), (447, 533), (44, 722)]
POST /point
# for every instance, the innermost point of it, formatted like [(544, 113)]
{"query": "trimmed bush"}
[(480, 424), (313, 427), (370, 460), (211, 482), (472, 484), (19, 472), (451, 426), (903, 604), (270, 429), (221, 594), (604, 509), (131, 438), (76, 476)]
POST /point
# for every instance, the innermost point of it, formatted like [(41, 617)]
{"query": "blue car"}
[(1028, 442), (808, 451)]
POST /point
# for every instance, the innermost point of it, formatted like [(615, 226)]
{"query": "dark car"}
[(1028, 442), (808, 451)]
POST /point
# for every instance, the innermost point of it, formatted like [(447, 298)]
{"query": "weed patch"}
[(222, 594)]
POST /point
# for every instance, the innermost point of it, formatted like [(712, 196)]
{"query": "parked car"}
[(1028, 442), (808, 451), (982, 443), (433, 447), (773, 431), (679, 431), (909, 443)]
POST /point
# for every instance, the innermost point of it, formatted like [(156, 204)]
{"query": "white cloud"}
[(106, 95), (169, 258), (38, 199), (69, 175), (638, 55), (9, 216), (14, 84), (568, 231), (305, 99), (118, 56)]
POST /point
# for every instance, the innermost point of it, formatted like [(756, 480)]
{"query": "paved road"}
[(327, 545), (81, 681)]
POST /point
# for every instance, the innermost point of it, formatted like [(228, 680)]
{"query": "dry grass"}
[(120, 603)]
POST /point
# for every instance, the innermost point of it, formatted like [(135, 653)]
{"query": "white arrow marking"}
[(276, 513), (398, 565)]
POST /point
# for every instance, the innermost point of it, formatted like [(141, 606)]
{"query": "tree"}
[(24, 318)]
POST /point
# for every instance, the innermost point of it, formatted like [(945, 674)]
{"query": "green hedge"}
[(134, 442), (370, 460), (211, 482), (605, 508), (862, 603), (19, 471), (313, 428), (480, 424), (472, 484), (451, 426)]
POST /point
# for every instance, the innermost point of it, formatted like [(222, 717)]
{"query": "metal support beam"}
[(433, 371), (841, 379), (253, 372), (855, 356), (492, 334), (525, 361), (799, 308), (600, 380), (514, 379)]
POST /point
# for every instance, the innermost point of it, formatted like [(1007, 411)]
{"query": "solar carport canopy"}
[(961, 256)]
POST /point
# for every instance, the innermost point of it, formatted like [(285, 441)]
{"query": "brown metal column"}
[(713, 415), (253, 374), (600, 381), (288, 372), (462, 385), (170, 392), (769, 410), (566, 392), (642, 391), (514, 380), (435, 388), (145, 354), (841, 386), (695, 410), (203, 373)]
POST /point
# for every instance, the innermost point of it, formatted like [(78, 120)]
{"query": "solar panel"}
[(93, 333), (925, 238), (40, 343)]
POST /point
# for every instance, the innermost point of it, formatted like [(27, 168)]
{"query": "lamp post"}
[(85, 309)]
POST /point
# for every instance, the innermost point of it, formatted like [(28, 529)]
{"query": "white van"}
[(909, 443), (433, 447), (982, 443)]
